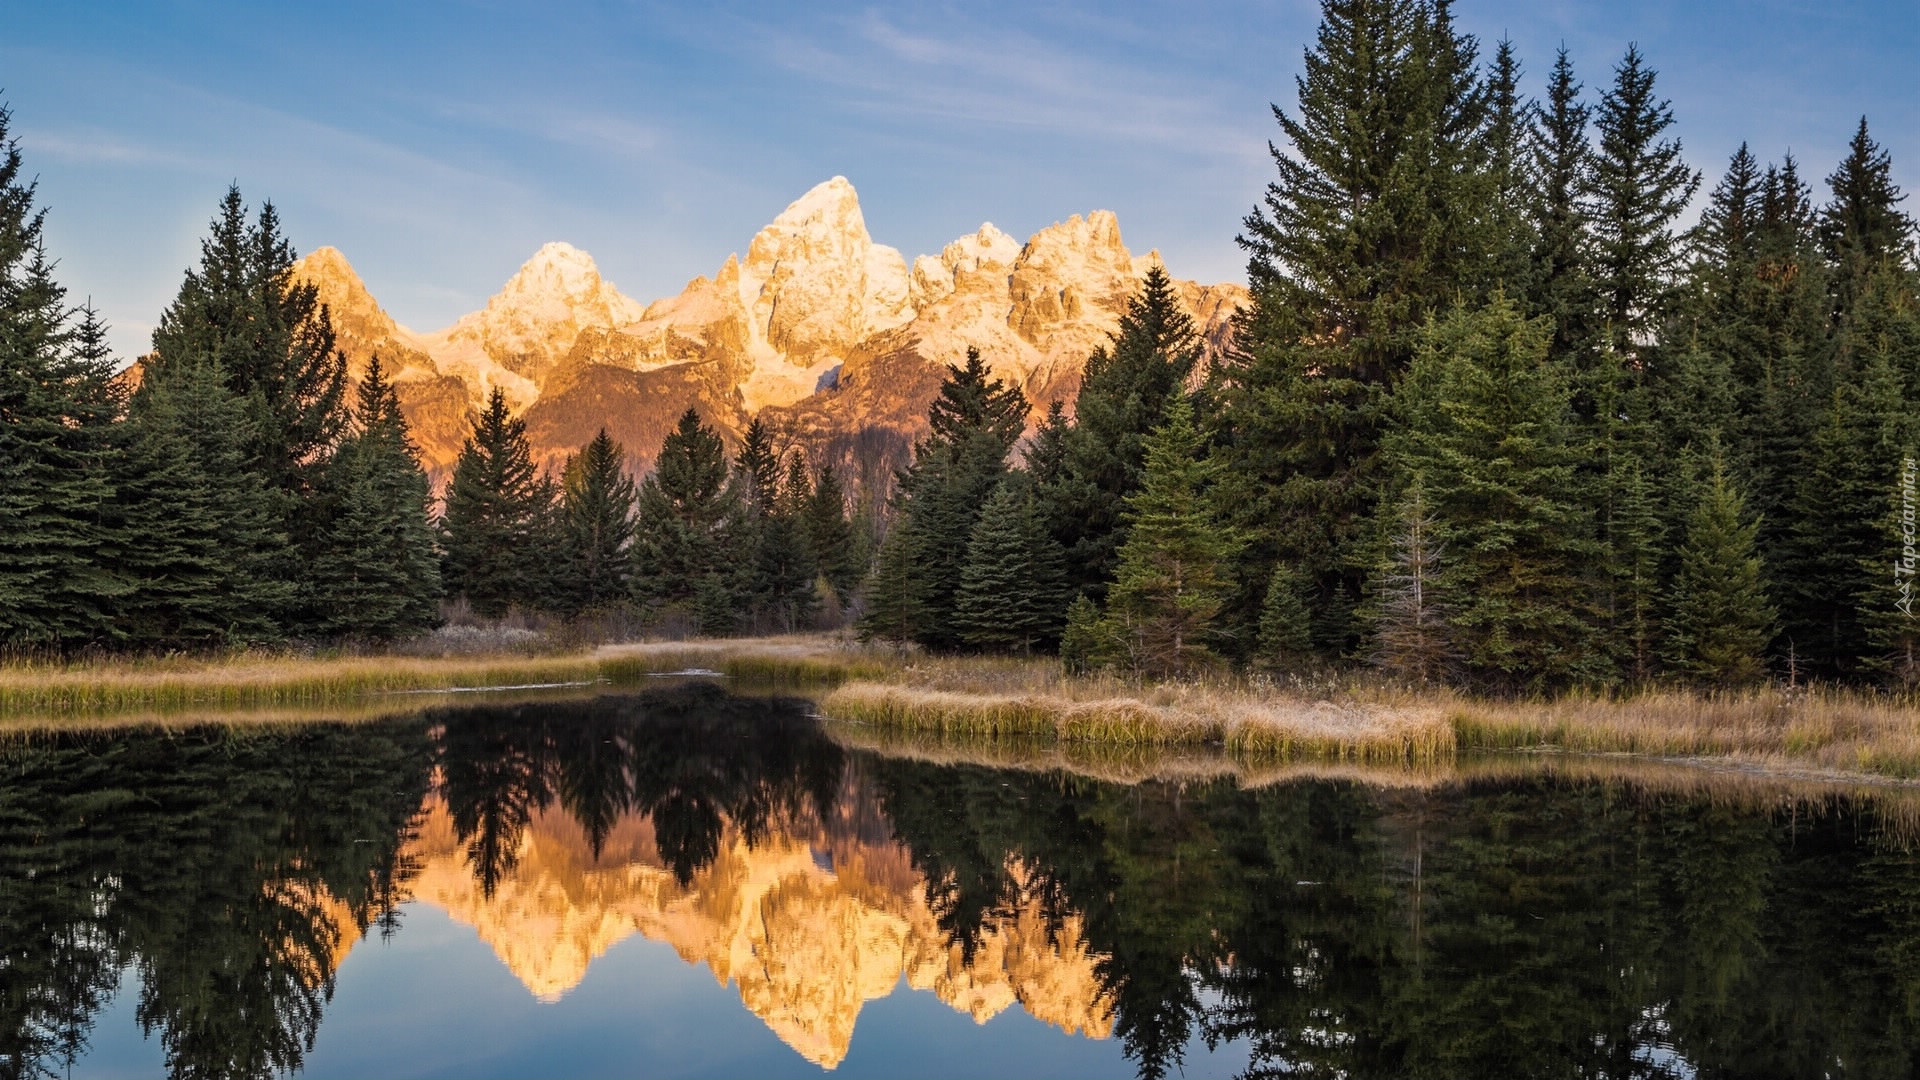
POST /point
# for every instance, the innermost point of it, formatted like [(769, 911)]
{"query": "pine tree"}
[(1509, 227), (498, 518), (596, 512), (759, 468), (693, 544), (1013, 594), (1123, 396), (376, 575), (896, 594), (1863, 226), (974, 423), (1376, 221), (1175, 568), (1412, 638), (1286, 637), (830, 536), (1833, 546), (796, 487), (1488, 429), (1560, 169), (1720, 622), (207, 545), (57, 441), (1087, 642), (271, 337), (784, 575), (1641, 186), (1635, 544)]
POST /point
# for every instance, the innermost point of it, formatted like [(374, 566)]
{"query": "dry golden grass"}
[(1829, 730), (1016, 699), (1823, 733), (90, 692)]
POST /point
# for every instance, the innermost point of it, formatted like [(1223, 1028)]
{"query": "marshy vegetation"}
[(34, 692)]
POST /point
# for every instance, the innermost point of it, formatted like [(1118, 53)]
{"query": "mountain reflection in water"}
[(1525, 925)]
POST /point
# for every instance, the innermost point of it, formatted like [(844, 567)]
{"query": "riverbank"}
[(36, 694), (1352, 721), (1357, 721)]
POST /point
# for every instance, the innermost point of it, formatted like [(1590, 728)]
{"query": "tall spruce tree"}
[(1720, 621), (1375, 221), (783, 588), (1175, 571), (498, 518), (759, 468), (830, 537), (1863, 226), (693, 544), (57, 442), (1123, 396), (596, 514), (207, 543), (1788, 326), (376, 573), (271, 337), (1488, 430), (1013, 586), (974, 423), (1509, 229), (1835, 538), (1560, 171), (1641, 186), (1635, 544)]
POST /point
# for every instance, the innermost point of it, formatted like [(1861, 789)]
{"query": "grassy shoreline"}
[(1028, 701), (91, 691)]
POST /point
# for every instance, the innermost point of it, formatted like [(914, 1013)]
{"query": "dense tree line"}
[(235, 488), (1494, 416)]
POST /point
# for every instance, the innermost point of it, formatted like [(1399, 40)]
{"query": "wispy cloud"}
[(1005, 78), (94, 147)]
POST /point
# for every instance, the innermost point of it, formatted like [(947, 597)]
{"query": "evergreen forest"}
[(1523, 403)]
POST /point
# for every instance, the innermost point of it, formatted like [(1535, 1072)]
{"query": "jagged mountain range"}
[(837, 342)]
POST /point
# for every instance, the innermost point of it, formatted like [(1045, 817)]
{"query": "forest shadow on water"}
[(217, 885)]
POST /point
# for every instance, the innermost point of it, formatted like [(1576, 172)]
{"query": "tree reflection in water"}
[(1529, 926)]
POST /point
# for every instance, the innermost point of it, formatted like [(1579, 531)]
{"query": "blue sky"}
[(440, 145)]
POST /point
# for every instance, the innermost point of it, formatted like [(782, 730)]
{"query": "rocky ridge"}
[(837, 341)]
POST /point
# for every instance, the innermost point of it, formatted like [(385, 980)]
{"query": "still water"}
[(686, 883)]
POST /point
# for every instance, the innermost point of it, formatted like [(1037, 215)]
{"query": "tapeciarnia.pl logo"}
[(1905, 567)]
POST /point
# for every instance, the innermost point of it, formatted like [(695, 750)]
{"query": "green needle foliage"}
[(1013, 588), (974, 423), (211, 544), (498, 521), (377, 573), (1174, 576), (1488, 430), (58, 444), (1123, 398), (1721, 621), (597, 500), (829, 536), (694, 541)]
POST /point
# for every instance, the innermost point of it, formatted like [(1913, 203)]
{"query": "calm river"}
[(689, 883)]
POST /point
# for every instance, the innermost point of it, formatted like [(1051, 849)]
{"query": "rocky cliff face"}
[(808, 924), (834, 339)]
